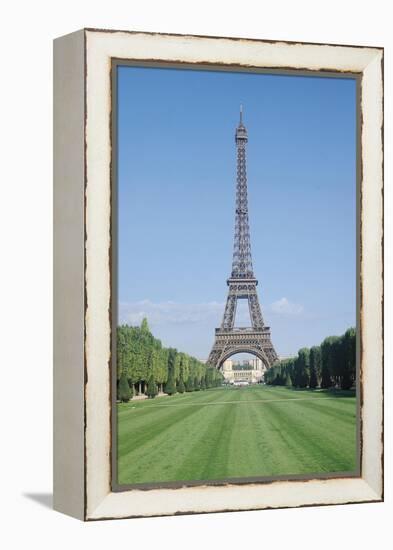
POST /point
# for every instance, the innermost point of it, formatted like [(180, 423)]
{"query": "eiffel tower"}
[(242, 283)]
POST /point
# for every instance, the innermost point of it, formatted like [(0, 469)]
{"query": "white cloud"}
[(284, 307), (174, 313), (169, 312)]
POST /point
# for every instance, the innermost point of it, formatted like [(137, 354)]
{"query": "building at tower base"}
[(238, 373)]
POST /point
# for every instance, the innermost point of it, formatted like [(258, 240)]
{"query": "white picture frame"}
[(82, 258)]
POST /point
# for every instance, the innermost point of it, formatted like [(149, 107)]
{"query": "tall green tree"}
[(180, 387), (333, 363), (190, 384), (124, 393), (170, 386), (145, 326), (315, 366), (327, 361), (140, 355), (152, 389), (302, 368), (349, 345)]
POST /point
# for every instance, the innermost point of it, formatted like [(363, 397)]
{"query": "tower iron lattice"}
[(242, 282)]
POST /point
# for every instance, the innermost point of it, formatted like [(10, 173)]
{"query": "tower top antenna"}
[(241, 132)]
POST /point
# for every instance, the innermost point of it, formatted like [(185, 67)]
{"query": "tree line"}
[(144, 366), (332, 364)]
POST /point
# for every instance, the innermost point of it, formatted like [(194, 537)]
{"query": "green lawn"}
[(236, 432)]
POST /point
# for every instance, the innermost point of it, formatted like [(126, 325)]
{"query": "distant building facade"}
[(237, 372)]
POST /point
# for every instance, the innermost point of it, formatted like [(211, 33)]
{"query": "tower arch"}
[(256, 353)]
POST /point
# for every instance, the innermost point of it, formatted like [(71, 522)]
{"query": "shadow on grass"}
[(329, 391)]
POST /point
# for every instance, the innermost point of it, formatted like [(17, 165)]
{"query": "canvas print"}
[(235, 281)]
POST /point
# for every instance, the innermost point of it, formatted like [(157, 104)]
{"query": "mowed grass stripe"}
[(240, 457), (142, 424), (240, 395), (208, 448), (309, 442), (165, 448), (238, 402), (255, 445), (334, 411), (145, 408), (253, 431), (192, 397)]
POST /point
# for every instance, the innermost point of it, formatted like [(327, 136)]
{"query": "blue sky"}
[(177, 170)]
